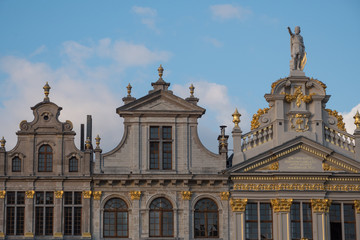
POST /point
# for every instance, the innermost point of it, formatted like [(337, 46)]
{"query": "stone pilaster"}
[(2, 214), (357, 217), (238, 207), (135, 214), (57, 214), (29, 212), (321, 220), (281, 208), (186, 216), (86, 231), (96, 212), (357, 144)]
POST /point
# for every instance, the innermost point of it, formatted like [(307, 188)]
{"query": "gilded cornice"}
[(281, 205), (238, 205), (224, 195), (297, 187), (339, 117), (320, 205), (186, 195), (135, 195)]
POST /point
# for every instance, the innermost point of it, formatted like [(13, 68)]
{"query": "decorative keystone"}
[(281, 205), (238, 205), (320, 205), (236, 118), (97, 195), (59, 194), (186, 195), (30, 194), (46, 91), (135, 195), (86, 194)]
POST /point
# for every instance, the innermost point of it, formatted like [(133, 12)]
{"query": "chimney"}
[(223, 141), (89, 128), (82, 137)]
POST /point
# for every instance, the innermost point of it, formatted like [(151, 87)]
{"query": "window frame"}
[(16, 167), (45, 158), (258, 219), (46, 208), (161, 146), (72, 167), (342, 222), (117, 210), (160, 217), (205, 213), (73, 206), (301, 220), (14, 225)]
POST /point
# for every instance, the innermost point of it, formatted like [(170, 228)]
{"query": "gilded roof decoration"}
[(297, 187), (339, 117), (319, 82), (298, 96), (255, 121)]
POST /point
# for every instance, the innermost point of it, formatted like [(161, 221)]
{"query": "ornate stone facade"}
[(295, 175)]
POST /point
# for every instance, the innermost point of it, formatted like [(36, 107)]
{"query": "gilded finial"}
[(46, 91), (97, 139), (3, 141), (129, 87), (236, 117), (160, 70), (191, 90), (357, 120), (87, 143)]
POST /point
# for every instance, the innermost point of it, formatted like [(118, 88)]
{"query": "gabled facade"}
[(295, 175)]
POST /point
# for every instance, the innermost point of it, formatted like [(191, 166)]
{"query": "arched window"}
[(45, 159), (206, 219), (73, 164), (16, 164), (161, 218), (116, 218)]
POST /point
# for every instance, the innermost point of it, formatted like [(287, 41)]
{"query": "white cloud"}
[(229, 11), (148, 17), (213, 41), (38, 51), (80, 89), (349, 119)]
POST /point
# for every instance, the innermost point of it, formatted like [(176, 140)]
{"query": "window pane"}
[(266, 220), (349, 222), (68, 220), (154, 133), (49, 217), (154, 155), (335, 221), (49, 198), (20, 198), (307, 220), (39, 220), (45, 159), (251, 221), (39, 197), (20, 219), (167, 155), (295, 221), (73, 164), (16, 164), (68, 198), (10, 220), (116, 218), (166, 134), (77, 198), (77, 220)]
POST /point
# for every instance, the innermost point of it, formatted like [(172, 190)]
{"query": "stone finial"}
[(46, 91), (88, 143), (236, 118), (160, 70), (357, 120), (191, 90), (129, 87), (97, 139), (2, 142)]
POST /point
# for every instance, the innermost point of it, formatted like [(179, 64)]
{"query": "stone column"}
[(2, 214), (135, 222), (281, 221), (186, 223), (96, 211), (321, 221), (357, 217), (58, 214), (86, 214), (238, 227), (29, 214)]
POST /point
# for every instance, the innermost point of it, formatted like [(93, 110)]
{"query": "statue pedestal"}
[(296, 73)]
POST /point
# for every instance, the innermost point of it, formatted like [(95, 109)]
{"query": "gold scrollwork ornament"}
[(299, 122)]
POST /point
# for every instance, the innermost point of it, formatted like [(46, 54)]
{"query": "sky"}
[(231, 51)]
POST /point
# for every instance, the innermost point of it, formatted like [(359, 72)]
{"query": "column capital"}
[(238, 205), (357, 206), (86, 235), (86, 194), (135, 195), (59, 194), (2, 193), (225, 195), (30, 194), (97, 195), (58, 235), (320, 205), (281, 205), (186, 195)]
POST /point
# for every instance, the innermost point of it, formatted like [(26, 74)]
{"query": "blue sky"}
[(230, 50)]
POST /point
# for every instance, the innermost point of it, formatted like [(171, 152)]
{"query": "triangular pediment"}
[(299, 155), (161, 102)]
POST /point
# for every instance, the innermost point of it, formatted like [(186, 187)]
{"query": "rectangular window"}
[(301, 221), (15, 213), (258, 221), (342, 220), (161, 147), (44, 213), (72, 213)]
